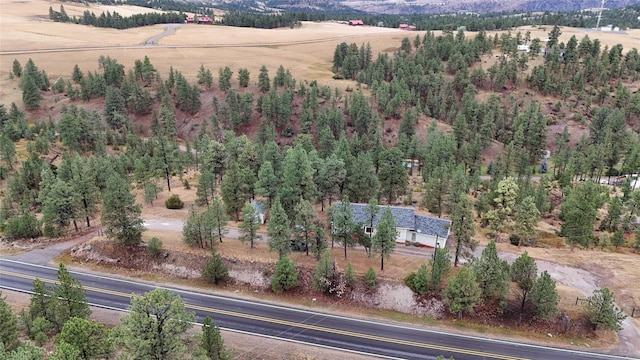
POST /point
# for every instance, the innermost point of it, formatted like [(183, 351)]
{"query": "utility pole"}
[(600, 14)]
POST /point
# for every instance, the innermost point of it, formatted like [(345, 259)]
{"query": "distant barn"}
[(356, 22), (407, 27), (201, 20)]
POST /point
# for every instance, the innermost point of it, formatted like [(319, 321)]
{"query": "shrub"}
[(514, 239), (370, 279), (154, 247), (214, 270), (174, 202), (25, 226), (409, 280), (186, 185), (349, 276), (285, 276)]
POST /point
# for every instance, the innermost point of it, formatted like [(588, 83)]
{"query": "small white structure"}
[(425, 230), (524, 48), (259, 206)]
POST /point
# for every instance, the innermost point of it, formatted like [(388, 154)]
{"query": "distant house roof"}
[(205, 19), (403, 26), (356, 22), (405, 217)]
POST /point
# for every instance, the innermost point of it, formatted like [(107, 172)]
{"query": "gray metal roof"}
[(405, 217), (259, 206)]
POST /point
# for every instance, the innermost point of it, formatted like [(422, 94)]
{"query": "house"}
[(425, 230), (189, 19), (205, 20), (524, 48), (259, 206), (356, 22)]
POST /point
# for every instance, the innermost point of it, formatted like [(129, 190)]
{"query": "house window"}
[(413, 237), (368, 230)]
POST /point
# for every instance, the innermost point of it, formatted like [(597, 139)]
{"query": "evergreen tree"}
[(324, 275), (462, 228), (370, 279), (304, 222), (264, 83), (65, 351), (214, 270), (17, 71), (492, 274), (87, 336), (526, 222), (41, 301), (224, 78), (154, 326), (524, 273), (59, 208), (384, 241), (440, 267), (603, 312), (77, 74), (114, 105), (297, 180), (318, 240), (243, 77), (9, 329), (392, 175), (7, 151), (212, 342), (463, 293), (285, 275), (31, 96), (69, 299), (216, 217), (544, 297), (120, 214), (268, 182), (250, 224), (206, 188), (237, 188), (343, 225), (278, 230), (579, 210)]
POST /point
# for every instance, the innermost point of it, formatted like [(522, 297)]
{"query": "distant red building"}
[(406, 27), (356, 22)]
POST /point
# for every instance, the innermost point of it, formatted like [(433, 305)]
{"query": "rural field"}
[(307, 52)]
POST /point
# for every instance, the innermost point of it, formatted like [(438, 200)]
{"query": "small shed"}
[(259, 206)]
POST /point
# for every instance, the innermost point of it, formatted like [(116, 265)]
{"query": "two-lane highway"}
[(369, 337)]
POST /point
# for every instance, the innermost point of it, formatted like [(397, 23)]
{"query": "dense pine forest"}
[(504, 139)]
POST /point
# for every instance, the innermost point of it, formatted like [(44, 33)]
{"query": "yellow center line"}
[(297, 325)]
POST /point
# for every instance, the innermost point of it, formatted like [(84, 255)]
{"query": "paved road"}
[(374, 338), (169, 30)]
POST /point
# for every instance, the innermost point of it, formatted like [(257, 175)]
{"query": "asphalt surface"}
[(375, 338)]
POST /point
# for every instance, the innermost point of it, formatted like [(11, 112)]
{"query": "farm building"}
[(407, 27), (356, 22), (425, 230), (201, 19)]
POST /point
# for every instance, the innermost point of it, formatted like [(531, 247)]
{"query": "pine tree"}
[(463, 293), (243, 77), (392, 175), (7, 151), (268, 182), (114, 105), (214, 270), (462, 228), (603, 312), (278, 230), (324, 275), (216, 217), (250, 224), (492, 274), (384, 241), (343, 226), (77, 74), (524, 273), (69, 297), (526, 221), (9, 328), (120, 213), (31, 96), (41, 301), (544, 297), (440, 267), (59, 208), (154, 326), (87, 336), (212, 342), (285, 275), (264, 83), (237, 187), (17, 68)]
